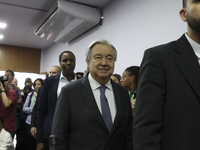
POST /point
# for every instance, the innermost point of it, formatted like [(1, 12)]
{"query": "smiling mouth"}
[(103, 70)]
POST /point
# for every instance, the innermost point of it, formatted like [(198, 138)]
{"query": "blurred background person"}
[(6, 142), (27, 109), (130, 81), (8, 105), (79, 74), (15, 82), (116, 78), (20, 134), (28, 81), (54, 70)]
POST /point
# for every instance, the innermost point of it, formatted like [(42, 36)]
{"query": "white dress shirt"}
[(195, 46), (108, 93), (62, 82), (6, 142)]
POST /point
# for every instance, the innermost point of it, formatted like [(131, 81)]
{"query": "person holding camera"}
[(8, 102)]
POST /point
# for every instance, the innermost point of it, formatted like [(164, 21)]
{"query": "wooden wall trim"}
[(20, 59)]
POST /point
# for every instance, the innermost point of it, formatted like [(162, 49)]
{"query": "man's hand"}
[(33, 132), (40, 146)]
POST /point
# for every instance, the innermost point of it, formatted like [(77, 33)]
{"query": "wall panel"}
[(20, 59)]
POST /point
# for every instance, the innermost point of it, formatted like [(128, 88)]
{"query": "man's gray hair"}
[(99, 41)]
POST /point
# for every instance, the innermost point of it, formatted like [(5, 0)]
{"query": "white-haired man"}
[(94, 113)]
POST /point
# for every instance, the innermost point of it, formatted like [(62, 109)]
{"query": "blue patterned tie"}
[(105, 108)]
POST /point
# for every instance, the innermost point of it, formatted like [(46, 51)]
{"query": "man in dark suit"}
[(87, 118), (54, 70), (50, 92), (167, 108)]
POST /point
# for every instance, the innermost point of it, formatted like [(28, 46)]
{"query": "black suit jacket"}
[(167, 109), (46, 107), (79, 123), (34, 112)]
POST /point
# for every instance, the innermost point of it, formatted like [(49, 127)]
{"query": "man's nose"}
[(68, 62), (103, 61)]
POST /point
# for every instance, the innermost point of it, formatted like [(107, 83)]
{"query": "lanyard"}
[(131, 94)]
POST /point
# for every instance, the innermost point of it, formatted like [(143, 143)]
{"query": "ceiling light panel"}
[(3, 25)]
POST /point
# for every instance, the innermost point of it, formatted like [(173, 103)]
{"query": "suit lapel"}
[(56, 82), (88, 96), (188, 63)]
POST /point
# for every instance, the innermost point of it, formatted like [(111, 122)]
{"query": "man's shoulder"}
[(52, 79), (162, 48), (165, 48), (75, 84), (6, 137)]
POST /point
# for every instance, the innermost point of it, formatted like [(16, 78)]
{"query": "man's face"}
[(193, 15), (67, 63), (53, 71), (14, 81), (9, 75), (29, 84), (102, 63)]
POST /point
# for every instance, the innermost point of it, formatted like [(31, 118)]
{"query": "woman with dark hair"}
[(27, 109), (130, 81)]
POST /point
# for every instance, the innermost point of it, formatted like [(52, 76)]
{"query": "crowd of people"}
[(152, 106)]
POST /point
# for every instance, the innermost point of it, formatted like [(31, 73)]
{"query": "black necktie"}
[(105, 108)]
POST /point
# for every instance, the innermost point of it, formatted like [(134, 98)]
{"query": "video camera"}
[(3, 79)]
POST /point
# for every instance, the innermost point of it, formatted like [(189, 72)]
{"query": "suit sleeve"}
[(149, 109), (61, 119), (42, 111)]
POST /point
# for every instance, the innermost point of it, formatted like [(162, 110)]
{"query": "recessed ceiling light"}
[(3, 25), (1, 36)]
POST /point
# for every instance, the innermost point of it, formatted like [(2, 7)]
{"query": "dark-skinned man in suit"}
[(50, 92)]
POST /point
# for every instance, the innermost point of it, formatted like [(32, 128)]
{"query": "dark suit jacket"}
[(79, 123), (34, 112), (167, 108), (46, 107)]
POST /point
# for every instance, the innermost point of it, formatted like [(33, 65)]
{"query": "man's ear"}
[(183, 14)]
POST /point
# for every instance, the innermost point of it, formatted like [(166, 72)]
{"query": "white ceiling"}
[(22, 16)]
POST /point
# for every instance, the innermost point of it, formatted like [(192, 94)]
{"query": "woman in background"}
[(116, 78), (27, 109), (130, 81)]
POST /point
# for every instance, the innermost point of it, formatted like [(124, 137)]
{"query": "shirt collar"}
[(195, 45), (62, 77), (95, 85)]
